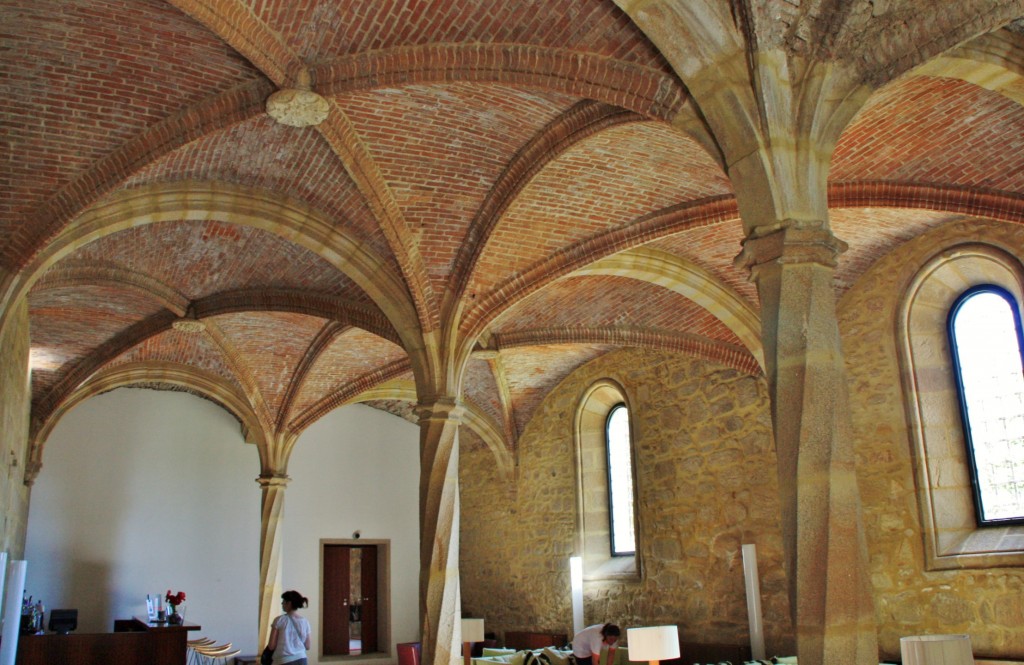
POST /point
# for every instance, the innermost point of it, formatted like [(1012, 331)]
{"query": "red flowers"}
[(175, 599)]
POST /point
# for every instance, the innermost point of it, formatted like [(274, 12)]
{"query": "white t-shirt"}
[(291, 644), (588, 641)]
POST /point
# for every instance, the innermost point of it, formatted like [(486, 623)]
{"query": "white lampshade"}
[(472, 630), (936, 650), (653, 643)]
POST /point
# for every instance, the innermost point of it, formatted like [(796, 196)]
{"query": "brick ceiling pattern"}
[(927, 129), (476, 158), (263, 154)]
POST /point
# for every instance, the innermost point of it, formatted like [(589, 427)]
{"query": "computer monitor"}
[(63, 621)]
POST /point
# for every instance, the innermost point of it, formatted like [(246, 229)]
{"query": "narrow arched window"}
[(985, 338), (620, 482)]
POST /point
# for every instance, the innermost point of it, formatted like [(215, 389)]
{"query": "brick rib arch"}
[(341, 135), (298, 302), (701, 347), (581, 121), (230, 204), (76, 376), (693, 282), (52, 218), (651, 227), (340, 315), (236, 23), (643, 90), (977, 201), (323, 340), (850, 194), (348, 394), (81, 274)]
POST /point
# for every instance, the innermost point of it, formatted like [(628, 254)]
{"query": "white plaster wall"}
[(144, 490), (357, 469)]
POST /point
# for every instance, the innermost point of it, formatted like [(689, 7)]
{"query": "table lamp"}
[(936, 650), (472, 631), (653, 643)]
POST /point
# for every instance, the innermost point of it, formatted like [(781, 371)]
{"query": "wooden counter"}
[(140, 643)]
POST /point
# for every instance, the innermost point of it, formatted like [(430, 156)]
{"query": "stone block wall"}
[(706, 484), (14, 427), (987, 604)]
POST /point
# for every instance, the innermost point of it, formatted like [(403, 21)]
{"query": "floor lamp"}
[(472, 631), (936, 650), (653, 643)]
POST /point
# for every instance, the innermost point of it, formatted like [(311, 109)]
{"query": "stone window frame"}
[(952, 537), (593, 533)]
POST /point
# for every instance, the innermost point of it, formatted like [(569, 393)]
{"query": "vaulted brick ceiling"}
[(477, 156)]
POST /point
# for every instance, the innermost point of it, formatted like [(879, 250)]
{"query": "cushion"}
[(621, 656), (497, 651), (518, 658), (536, 657), (557, 657)]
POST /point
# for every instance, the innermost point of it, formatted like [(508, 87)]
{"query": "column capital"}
[(440, 408), (790, 241), (267, 482), (32, 469)]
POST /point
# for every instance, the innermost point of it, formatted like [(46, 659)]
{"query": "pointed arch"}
[(211, 386), (473, 417), (691, 281), (232, 204)]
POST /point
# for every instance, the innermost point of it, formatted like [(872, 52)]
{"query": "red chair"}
[(408, 653)]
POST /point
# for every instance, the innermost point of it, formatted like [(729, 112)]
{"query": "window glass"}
[(986, 343), (620, 482)]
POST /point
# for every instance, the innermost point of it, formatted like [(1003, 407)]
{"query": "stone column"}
[(793, 264), (271, 527), (15, 409), (440, 594)]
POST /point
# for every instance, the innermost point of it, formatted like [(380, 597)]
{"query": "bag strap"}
[(295, 626)]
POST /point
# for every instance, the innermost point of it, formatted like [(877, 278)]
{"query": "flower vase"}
[(175, 617)]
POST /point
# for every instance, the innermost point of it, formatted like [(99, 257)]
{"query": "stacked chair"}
[(204, 651)]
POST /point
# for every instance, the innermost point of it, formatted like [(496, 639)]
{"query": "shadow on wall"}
[(90, 581)]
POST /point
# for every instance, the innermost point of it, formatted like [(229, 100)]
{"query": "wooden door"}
[(369, 598), (336, 596)]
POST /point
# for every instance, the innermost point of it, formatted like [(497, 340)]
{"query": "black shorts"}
[(588, 660)]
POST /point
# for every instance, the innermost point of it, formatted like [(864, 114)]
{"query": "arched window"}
[(985, 339), (620, 482), (609, 531), (953, 537)]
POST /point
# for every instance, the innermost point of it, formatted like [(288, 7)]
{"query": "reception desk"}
[(137, 642)]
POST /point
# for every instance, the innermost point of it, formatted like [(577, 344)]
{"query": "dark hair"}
[(295, 599), (610, 630)]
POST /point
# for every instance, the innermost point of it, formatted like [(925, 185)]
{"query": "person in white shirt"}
[(586, 644), (289, 634)]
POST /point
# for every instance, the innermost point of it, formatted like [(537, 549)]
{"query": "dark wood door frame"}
[(375, 599)]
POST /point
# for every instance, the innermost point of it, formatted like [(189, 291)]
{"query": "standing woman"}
[(289, 634)]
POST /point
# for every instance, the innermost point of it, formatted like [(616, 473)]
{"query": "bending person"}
[(586, 644)]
